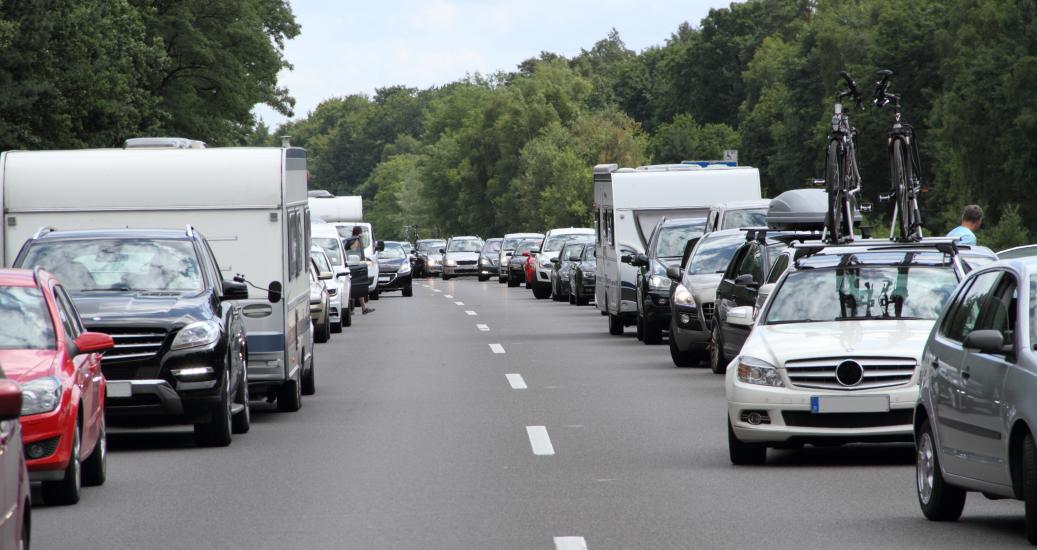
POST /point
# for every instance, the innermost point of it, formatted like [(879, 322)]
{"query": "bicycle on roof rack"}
[(842, 174), (904, 167)]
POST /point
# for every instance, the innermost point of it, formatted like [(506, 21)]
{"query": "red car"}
[(44, 347), (15, 498), (529, 268)]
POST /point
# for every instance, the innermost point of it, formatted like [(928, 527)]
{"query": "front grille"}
[(878, 372), (807, 419), (707, 311), (465, 262), (133, 343)]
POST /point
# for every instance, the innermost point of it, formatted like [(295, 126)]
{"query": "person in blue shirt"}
[(971, 220)]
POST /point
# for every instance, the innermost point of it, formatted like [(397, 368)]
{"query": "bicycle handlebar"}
[(851, 91), (881, 95)]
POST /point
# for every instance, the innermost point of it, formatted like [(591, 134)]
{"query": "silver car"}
[(974, 421)]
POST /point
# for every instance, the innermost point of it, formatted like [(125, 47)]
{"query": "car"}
[(835, 353), (427, 258), (1024, 251), (540, 282), (16, 498), (180, 340), (461, 256), (337, 303), (693, 298), (529, 268), (324, 290), (325, 236), (508, 245), (394, 269), (665, 248), (975, 417), (737, 214), (489, 259), (518, 259), (584, 276), (567, 258), (44, 347)]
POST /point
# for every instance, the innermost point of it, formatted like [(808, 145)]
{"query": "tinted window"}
[(714, 253), (965, 315), (999, 312), (734, 219), (780, 265), (123, 264), (751, 264), (25, 322), (671, 240)]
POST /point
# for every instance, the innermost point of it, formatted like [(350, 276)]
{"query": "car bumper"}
[(393, 281), (489, 269), (656, 308), (455, 270), (51, 432)]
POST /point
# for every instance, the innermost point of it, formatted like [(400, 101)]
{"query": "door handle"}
[(965, 374), (935, 363)]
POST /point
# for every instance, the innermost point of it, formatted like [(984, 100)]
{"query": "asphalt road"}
[(416, 439)]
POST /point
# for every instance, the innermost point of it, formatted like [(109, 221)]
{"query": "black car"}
[(665, 248), (567, 258), (517, 260), (394, 271), (584, 276), (488, 258), (424, 249), (180, 344)]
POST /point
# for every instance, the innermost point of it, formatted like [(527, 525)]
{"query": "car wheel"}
[(67, 489), (572, 299), (717, 361), (217, 431), (336, 328), (938, 500), (289, 396), (502, 279), (1029, 487), (640, 328), (408, 291), (95, 467), (242, 422), (615, 325), (484, 278), (322, 332), (309, 376), (374, 295), (681, 358), (652, 333), (742, 453), (26, 538)]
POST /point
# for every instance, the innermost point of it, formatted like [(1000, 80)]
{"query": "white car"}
[(835, 353), (461, 256), (554, 240)]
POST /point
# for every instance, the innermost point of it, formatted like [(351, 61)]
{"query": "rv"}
[(345, 213), (249, 202), (629, 202)]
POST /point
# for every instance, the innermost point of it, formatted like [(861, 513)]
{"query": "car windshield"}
[(464, 245), (510, 244), (431, 246), (673, 238), (588, 252), (392, 251), (554, 244), (320, 260), (734, 219), (714, 252), (491, 247), (526, 246), (330, 247), (119, 264), (346, 232), (857, 293), (26, 321)]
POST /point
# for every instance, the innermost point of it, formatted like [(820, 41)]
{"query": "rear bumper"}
[(451, 270)]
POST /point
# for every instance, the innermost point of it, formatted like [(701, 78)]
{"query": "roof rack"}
[(43, 230)]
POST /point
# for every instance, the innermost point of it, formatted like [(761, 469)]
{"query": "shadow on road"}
[(873, 454)]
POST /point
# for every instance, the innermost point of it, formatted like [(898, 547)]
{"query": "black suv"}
[(180, 345)]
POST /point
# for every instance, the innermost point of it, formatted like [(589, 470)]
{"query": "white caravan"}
[(628, 204), (345, 213), (249, 202)]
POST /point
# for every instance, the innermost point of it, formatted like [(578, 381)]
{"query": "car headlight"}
[(682, 297), (451, 263), (658, 282), (546, 264), (201, 333), (404, 269), (431, 261), (41, 395), (332, 291), (484, 261), (588, 275), (757, 371)]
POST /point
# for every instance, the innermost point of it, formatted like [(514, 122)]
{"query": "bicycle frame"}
[(905, 201), (847, 170)]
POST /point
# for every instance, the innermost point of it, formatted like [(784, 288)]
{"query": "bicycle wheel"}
[(834, 187), (901, 183)]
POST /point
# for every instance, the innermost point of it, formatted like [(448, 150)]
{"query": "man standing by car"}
[(971, 220), (357, 243)]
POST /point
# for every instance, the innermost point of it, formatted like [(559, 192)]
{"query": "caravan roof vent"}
[(800, 209), (163, 143), (319, 194)]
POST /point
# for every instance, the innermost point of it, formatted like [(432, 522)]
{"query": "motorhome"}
[(629, 202), (345, 213), (249, 202)]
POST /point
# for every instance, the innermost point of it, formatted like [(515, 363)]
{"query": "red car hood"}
[(26, 364)]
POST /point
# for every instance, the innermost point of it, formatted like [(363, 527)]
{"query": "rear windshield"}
[(25, 319), (672, 239), (735, 219), (119, 264), (331, 248)]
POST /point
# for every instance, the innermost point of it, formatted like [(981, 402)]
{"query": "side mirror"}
[(442, 251), (626, 258), (763, 293), (674, 273), (325, 275), (341, 271), (10, 400), (509, 254), (234, 290), (554, 260), (985, 341), (93, 342), (747, 281), (273, 292), (379, 245), (741, 316)]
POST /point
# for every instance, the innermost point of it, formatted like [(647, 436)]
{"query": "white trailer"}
[(628, 203), (345, 213), (249, 202)]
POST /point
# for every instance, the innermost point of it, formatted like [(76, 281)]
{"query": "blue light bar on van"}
[(705, 163)]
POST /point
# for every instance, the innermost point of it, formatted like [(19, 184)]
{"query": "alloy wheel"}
[(925, 468)]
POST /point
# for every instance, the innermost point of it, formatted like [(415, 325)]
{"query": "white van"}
[(249, 202), (345, 213), (628, 204)]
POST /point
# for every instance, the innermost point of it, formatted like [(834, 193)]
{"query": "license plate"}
[(119, 389), (849, 403)]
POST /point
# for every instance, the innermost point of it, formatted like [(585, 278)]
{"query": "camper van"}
[(629, 202), (249, 202), (345, 213)]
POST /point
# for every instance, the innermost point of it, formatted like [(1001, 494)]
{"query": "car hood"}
[(704, 287), (777, 344), (148, 307), (393, 264), (461, 256), (22, 365)]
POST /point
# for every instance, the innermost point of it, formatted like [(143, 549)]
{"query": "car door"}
[(948, 384), (10, 478), (87, 366), (750, 266), (725, 290)]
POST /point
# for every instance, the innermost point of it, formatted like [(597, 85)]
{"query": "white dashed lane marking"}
[(540, 441), (570, 543), (482, 327), (497, 348), (447, 296), (516, 381), (458, 303), (470, 312)]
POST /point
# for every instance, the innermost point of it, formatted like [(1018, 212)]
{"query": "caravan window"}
[(294, 245), (610, 228)]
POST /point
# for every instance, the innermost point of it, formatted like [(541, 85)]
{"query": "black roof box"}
[(801, 209)]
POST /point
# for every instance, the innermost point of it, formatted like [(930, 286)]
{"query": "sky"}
[(347, 46)]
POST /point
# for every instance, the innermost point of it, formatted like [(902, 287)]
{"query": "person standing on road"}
[(971, 220), (358, 244)]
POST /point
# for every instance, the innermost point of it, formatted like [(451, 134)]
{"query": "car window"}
[(330, 246), (671, 240), (464, 245), (25, 319), (779, 267), (392, 252), (119, 264), (575, 253), (999, 311), (321, 261), (63, 297), (590, 252), (213, 268), (491, 247), (751, 263), (67, 318), (965, 314), (713, 253), (734, 219)]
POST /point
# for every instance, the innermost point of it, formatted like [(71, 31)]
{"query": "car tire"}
[(572, 299), (615, 325), (680, 357), (241, 423), (1030, 487), (502, 279), (938, 500), (67, 489), (309, 376), (717, 361), (512, 283), (742, 453), (640, 329), (408, 291), (541, 292), (484, 278), (373, 295), (347, 315), (217, 431), (322, 333), (289, 396), (652, 333), (95, 467)]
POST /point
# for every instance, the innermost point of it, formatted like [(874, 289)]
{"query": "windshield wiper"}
[(119, 288)]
